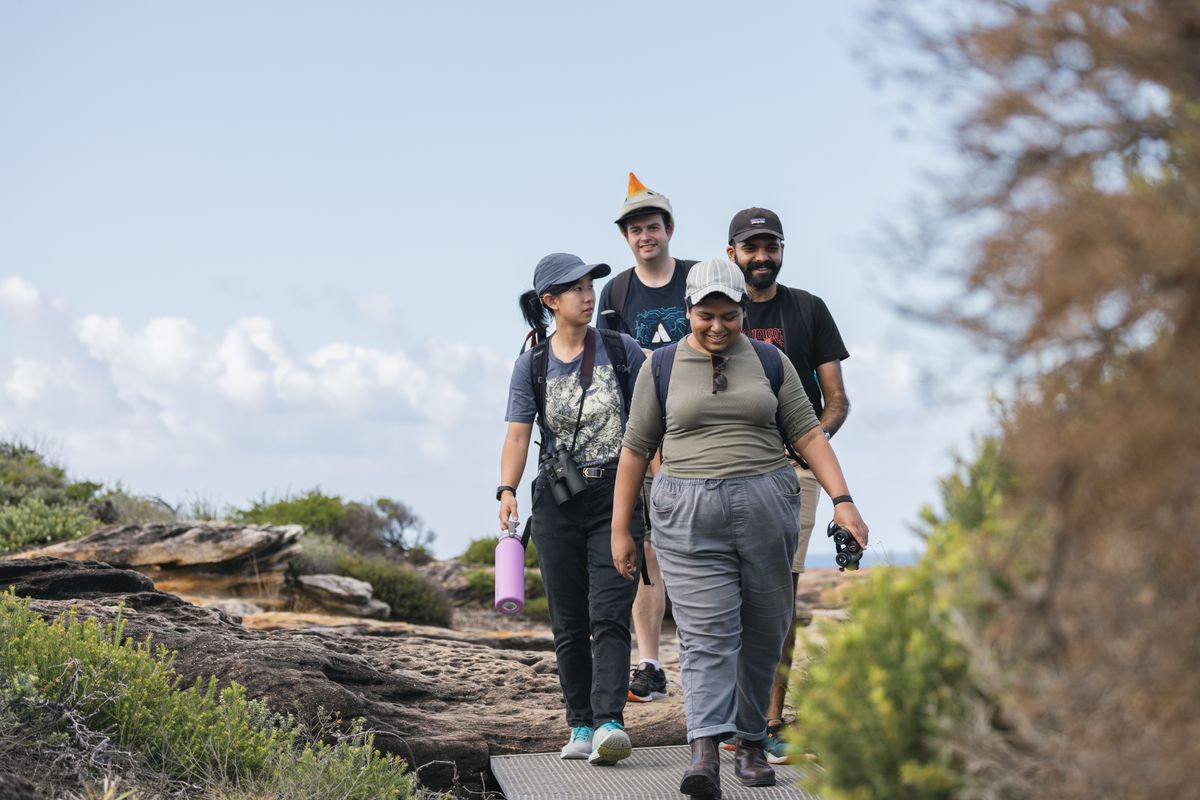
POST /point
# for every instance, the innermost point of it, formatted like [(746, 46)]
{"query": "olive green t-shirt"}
[(730, 434)]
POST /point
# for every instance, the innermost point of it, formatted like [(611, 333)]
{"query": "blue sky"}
[(261, 247)]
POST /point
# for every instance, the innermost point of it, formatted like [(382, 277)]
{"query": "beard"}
[(761, 280)]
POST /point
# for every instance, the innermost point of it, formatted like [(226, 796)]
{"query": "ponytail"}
[(536, 315)]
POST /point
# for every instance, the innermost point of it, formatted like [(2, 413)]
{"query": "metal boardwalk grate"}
[(651, 773)]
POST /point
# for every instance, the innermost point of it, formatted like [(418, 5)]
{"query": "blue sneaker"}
[(774, 746), (610, 744), (580, 744)]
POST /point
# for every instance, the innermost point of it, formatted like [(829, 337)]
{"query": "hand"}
[(624, 554), (508, 508), (846, 515)]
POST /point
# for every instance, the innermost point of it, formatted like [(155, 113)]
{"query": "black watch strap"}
[(502, 489), (843, 498)]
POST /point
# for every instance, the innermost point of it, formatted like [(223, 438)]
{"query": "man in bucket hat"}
[(646, 301)]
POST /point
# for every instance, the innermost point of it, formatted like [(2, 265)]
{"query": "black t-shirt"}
[(799, 323), (653, 316)]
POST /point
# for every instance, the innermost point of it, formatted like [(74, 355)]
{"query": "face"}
[(576, 305), (716, 323), (760, 259), (648, 236)]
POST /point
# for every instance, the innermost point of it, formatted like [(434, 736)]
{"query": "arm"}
[(833, 390), (512, 464), (815, 449), (631, 471)]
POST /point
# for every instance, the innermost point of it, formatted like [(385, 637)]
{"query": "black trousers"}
[(589, 601)]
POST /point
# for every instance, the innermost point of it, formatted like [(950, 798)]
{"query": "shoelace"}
[(580, 733)]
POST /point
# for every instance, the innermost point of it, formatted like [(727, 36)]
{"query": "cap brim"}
[(751, 233), (696, 297), (595, 270)]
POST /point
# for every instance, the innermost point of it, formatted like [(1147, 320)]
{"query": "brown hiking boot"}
[(750, 764)]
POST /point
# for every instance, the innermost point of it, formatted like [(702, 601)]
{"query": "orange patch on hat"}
[(635, 186)]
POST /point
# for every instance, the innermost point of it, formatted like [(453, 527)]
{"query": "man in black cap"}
[(799, 323)]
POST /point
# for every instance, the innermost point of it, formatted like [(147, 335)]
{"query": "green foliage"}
[(320, 554), (883, 699), (384, 525), (129, 509), (412, 596), (202, 734), (27, 474), (33, 522), (317, 512), (483, 551), (537, 608)]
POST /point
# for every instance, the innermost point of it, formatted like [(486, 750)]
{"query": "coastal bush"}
[(33, 522), (27, 474), (890, 688), (412, 596), (381, 526), (320, 554), (130, 509), (483, 551), (205, 735)]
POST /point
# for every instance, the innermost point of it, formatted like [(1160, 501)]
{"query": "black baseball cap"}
[(754, 221)]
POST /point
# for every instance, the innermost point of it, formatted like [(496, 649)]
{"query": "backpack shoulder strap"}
[(771, 358), (615, 347), (619, 293), (686, 265), (662, 361), (537, 373)]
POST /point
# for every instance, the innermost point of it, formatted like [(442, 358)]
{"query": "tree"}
[(1079, 126)]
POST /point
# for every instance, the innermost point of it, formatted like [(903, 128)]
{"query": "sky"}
[(256, 248)]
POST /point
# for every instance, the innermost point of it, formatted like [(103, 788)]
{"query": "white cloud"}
[(27, 381), (18, 294)]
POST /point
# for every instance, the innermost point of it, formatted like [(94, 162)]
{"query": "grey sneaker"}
[(580, 744), (610, 744)]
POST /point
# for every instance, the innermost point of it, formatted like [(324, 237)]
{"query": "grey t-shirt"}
[(599, 442), (730, 434)]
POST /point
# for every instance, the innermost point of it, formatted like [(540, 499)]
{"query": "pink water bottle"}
[(510, 571)]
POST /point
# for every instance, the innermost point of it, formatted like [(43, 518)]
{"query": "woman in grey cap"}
[(576, 384), (724, 509)]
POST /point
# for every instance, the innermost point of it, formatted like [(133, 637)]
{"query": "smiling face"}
[(759, 258), (716, 323), (648, 236), (575, 306)]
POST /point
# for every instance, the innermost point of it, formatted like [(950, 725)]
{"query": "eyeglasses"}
[(720, 382)]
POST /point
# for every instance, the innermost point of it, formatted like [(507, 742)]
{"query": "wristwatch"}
[(502, 489)]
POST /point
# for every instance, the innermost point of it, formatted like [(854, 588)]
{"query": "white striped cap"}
[(715, 275)]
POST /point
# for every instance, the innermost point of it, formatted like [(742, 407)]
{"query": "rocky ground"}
[(446, 699)]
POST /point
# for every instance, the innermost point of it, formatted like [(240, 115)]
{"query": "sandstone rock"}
[(232, 607), (198, 559), (342, 594), (444, 705)]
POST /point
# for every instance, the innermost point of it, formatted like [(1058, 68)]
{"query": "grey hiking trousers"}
[(726, 548)]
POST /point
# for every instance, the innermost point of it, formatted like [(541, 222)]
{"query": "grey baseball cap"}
[(715, 275), (559, 268)]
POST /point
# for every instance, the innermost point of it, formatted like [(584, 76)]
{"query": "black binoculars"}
[(849, 552), (562, 475)]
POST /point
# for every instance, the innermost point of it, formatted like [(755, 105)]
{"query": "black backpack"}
[(616, 356), (619, 293), (662, 361)]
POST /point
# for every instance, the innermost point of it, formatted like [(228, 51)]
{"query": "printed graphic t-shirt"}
[(653, 316), (800, 325), (603, 424)]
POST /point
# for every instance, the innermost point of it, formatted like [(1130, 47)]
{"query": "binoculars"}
[(564, 478), (849, 552)]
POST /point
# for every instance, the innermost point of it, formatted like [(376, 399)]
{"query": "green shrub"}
[(537, 608), (129, 509), (27, 474), (202, 734), (412, 596), (883, 699), (483, 551), (317, 512), (33, 522), (319, 555)]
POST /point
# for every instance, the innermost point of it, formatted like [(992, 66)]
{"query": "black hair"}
[(537, 315)]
